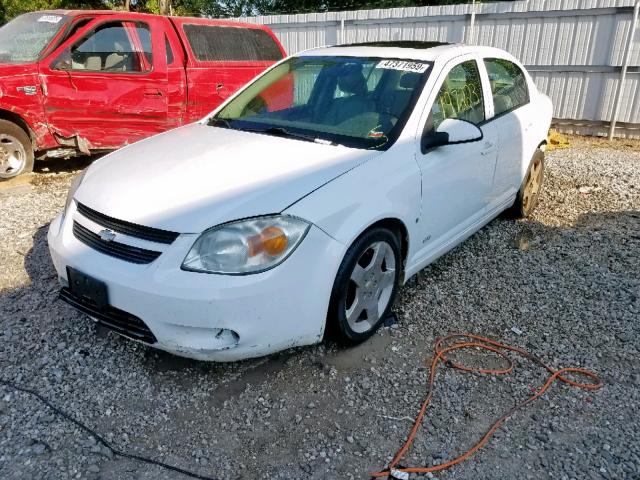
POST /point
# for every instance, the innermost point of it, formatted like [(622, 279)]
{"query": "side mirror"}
[(63, 62), (450, 132)]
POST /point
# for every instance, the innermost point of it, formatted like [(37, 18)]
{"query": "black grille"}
[(114, 249), (114, 319), (128, 228)]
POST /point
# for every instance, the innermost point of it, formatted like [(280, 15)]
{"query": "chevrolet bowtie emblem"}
[(107, 235)]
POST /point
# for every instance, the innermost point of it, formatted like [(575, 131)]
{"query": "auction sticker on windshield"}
[(50, 18), (404, 65)]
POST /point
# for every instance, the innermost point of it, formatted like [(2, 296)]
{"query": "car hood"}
[(196, 177), (11, 70)]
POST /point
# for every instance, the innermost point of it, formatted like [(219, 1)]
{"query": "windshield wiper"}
[(275, 131), (283, 132)]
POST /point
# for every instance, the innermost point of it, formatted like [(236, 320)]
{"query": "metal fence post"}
[(625, 64), (472, 23)]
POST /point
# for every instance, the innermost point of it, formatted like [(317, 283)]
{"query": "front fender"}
[(21, 103), (387, 186)]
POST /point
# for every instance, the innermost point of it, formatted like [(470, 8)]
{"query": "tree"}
[(238, 8), (13, 8), (213, 8)]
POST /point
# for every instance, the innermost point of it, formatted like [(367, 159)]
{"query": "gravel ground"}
[(567, 279)]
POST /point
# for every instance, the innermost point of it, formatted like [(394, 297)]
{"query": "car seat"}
[(93, 62), (115, 61), (502, 103), (352, 82)]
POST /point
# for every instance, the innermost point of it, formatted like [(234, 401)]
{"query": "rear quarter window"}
[(227, 44)]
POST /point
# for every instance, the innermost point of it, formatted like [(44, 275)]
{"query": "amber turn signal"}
[(271, 240)]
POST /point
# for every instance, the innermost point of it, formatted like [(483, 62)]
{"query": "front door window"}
[(114, 47), (460, 96)]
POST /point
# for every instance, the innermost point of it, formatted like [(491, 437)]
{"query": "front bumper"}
[(187, 311)]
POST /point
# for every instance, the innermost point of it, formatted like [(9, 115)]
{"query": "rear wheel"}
[(16, 152), (365, 286), (529, 193)]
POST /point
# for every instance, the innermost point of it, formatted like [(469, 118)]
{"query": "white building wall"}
[(574, 49)]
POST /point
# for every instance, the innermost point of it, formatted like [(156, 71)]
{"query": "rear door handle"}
[(152, 92), (487, 148)]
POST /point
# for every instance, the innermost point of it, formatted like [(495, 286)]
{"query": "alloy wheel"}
[(532, 186), (370, 287), (12, 156)]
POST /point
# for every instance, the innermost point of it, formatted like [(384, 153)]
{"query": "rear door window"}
[(508, 85), (227, 44)]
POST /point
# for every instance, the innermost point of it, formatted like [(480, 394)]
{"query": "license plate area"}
[(87, 288)]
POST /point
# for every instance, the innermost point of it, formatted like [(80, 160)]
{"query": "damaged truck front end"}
[(23, 128), (80, 82)]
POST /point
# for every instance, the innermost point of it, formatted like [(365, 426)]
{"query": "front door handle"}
[(152, 92)]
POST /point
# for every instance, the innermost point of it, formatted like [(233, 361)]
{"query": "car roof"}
[(405, 49), (181, 20)]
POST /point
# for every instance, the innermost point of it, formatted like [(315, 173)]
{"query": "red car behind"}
[(85, 81)]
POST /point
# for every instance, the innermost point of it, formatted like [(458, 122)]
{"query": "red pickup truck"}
[(87, 81)]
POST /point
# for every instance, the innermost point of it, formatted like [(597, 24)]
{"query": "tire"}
[(529, 193), (16, 151), (370, 270)]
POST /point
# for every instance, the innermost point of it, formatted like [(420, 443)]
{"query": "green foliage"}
[(235, 8), (13, 8), (213, 8), (292, 6)]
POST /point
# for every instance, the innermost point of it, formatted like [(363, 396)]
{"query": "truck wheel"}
[(365, 286), (16, 152), (529, 193)]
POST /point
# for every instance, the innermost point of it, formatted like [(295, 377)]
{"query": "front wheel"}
[(529, 193), (365, 286), (16, 152)]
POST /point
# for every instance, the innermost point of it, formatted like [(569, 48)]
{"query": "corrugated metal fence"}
[(574, 49)]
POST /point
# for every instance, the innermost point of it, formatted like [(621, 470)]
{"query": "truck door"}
[(107, 85), (177, 81)]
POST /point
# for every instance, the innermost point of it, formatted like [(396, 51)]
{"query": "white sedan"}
[(300, 205)]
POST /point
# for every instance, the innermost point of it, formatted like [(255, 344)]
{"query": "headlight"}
[(72, 189), (246, 246)]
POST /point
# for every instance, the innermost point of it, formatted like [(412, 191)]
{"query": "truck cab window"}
[(109, 48), (228, 44), (144, 34)]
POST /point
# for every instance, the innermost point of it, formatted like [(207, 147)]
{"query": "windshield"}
[(24, 37), (357, 102)]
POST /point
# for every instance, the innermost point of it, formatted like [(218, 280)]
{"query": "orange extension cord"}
[(469, 341)]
